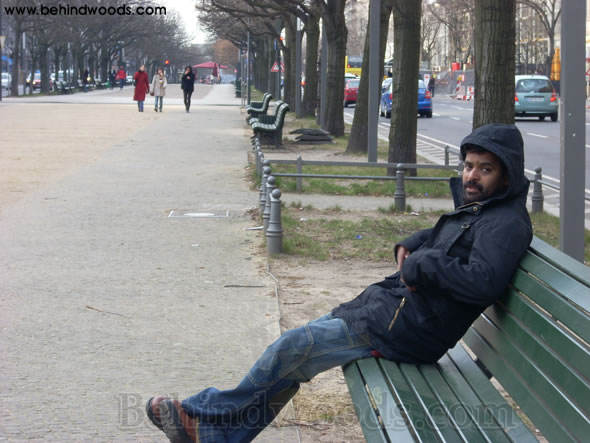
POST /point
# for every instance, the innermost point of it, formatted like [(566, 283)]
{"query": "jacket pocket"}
[(396, 313), (452, 239)]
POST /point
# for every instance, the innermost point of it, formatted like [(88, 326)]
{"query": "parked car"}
[(37, 81), (535, 96), (6, 80), (424, 101), (351, 90)]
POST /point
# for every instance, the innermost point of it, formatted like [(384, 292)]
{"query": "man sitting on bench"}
[(448, 276)]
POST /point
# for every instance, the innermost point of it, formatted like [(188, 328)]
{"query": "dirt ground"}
[(307, 290)]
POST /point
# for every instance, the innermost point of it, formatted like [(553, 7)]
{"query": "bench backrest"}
[(280, 115), (535, 342)]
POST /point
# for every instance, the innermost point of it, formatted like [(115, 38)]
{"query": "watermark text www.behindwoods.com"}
[(84, 10)]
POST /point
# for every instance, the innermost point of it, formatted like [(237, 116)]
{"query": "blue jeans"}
[(140, 105), (161, 99), (239, 414)]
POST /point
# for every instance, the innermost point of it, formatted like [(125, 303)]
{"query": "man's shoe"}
[(169, 416), (156, 109)]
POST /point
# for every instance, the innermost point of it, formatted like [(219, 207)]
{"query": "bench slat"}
[(558, 280), (564, 262), (372, 429), (490, 408), (560, 308), (460, 415), (536, 401), (564, 360), (393, 418), (538, 383), (421, 423)]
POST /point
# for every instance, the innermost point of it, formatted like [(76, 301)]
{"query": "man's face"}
[(483, 176)]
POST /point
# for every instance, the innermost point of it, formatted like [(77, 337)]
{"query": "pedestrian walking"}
[(448, 275), (112, 76), (187, 85), (121, 76), (85, 79), (431, 85), (142, 87), (159, 84)]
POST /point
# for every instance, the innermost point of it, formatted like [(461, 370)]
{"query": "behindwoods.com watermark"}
[(132, 414), (83, 10)]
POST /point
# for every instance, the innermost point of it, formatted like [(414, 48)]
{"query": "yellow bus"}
[(353, 64)]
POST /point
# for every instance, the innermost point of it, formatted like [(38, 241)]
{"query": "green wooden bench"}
[(272, 133), (255, 109), (535, 342), (265, 118), (62, 88)]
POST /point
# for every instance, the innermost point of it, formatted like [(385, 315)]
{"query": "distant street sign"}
[(275, 67)]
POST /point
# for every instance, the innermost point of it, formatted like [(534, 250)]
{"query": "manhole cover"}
[(193, 213)]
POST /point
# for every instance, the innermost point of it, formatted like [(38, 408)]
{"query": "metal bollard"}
[(260, 156), (537, 197), (399, 196), (257, 163), (299, 170), (274, 232), (270, 186), (446, 155), (262, 199)]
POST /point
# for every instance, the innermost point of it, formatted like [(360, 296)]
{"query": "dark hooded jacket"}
[(187, 83), (459, 267)]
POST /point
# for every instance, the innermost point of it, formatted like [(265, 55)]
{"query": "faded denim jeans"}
[(159, 99), (239, 414)]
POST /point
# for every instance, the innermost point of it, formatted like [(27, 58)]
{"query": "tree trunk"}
[(289, 61), (406, 63), (495, 33), (16, 57), (44, 67), (357, 143), (336, 34), (310, 92)]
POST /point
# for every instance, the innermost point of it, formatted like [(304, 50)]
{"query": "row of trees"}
[(537, 21), (493, 48), (95, 42)]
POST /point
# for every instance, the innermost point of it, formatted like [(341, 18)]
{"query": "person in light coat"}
[(159, 84)]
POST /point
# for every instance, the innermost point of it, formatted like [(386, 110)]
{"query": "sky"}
[(188, 14)]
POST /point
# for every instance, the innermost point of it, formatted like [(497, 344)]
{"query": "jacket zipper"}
[(401, 305)]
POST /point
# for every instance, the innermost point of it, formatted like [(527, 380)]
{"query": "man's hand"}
[(402, 254)]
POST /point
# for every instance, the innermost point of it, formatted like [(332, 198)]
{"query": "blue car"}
[(424, 101)]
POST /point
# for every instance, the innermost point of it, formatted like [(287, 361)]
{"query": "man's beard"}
[(467, 198)]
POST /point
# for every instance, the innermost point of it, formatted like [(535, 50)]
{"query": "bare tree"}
[(357, 142), (457, 16), (406, 62), (494, 68), (429, 40), (548, 12)]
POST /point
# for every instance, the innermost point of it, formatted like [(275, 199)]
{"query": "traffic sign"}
[(275, 67)]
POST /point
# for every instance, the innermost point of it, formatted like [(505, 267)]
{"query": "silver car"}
[(535, 96)]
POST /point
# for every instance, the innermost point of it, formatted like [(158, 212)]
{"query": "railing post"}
[(399, 196), (299, 170), (446, 155), (262, 200), (274, 232), (537, 197), (270, 186)]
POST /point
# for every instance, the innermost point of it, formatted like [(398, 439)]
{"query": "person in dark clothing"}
[(187, 85), (431, 85), (447, 276), (112, 76)]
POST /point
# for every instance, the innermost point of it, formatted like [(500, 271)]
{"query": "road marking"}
[(455, 118), (436, 115), (537, 135)]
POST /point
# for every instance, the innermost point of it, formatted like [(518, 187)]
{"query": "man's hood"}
[(505, 142)]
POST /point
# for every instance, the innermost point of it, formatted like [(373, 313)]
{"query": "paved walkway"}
[(105, 300)]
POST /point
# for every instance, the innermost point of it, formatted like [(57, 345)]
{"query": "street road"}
[(452, 120)]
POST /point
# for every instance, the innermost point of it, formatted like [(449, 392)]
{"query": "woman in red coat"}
[(142, 87)]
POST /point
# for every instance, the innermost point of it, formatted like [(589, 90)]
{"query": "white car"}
[(6, 80)]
